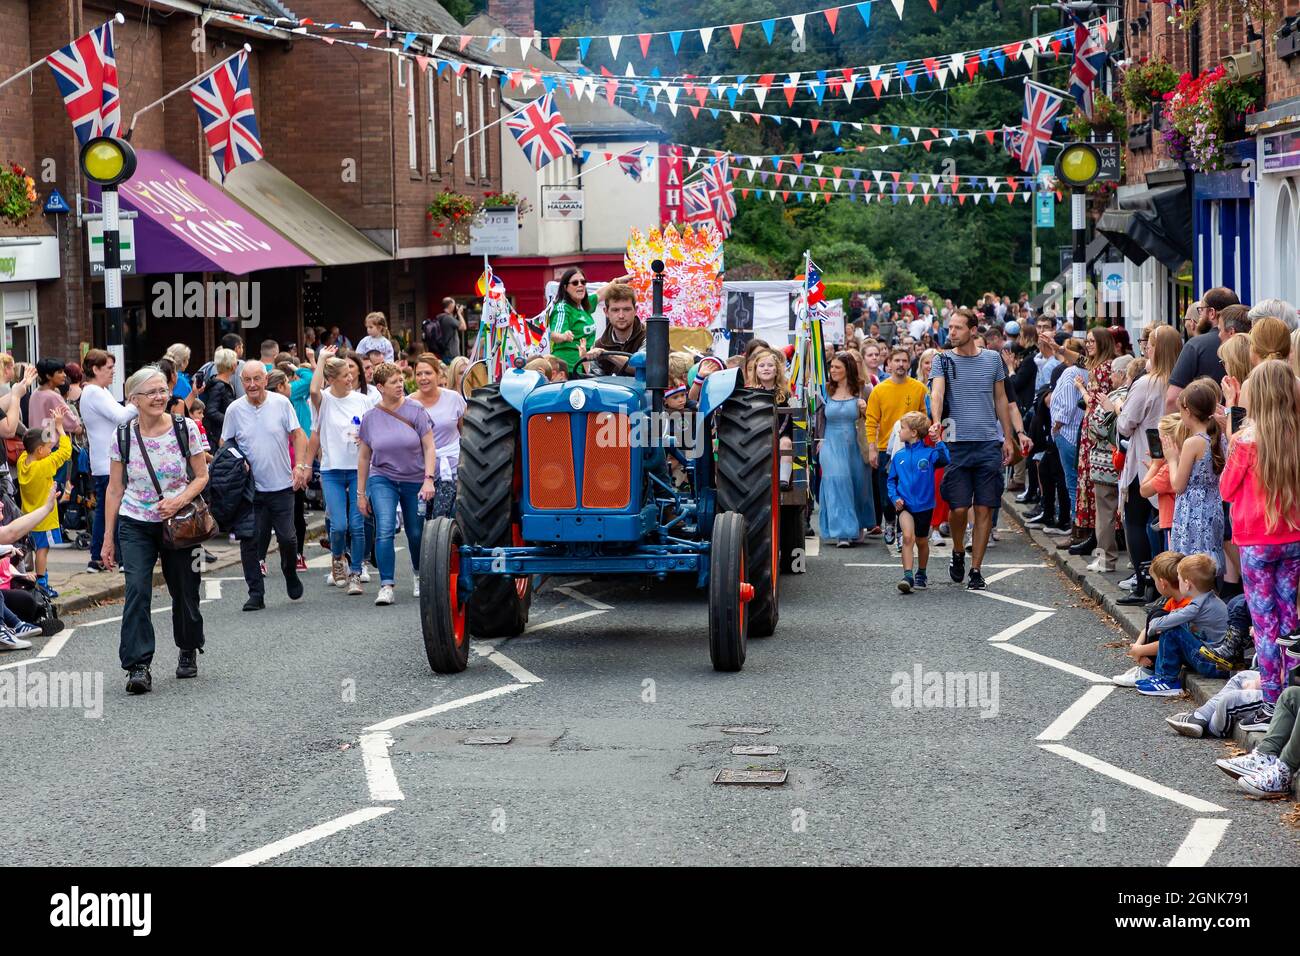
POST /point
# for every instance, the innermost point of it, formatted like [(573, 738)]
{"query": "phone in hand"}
[(1154, 443), (1238, 415)]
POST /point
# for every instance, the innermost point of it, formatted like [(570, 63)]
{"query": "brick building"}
[(355, 141)]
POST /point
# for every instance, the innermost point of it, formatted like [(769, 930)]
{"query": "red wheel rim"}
[(776, 512), (454, 602), (517, 539), (740, 598)]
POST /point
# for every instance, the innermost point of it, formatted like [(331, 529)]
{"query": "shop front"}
[(25, 261), (1223, 207), (1277, 200)]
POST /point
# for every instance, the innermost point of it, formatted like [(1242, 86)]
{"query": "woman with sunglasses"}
[(573, 325)]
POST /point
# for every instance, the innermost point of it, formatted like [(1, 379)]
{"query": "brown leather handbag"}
[(193, 524)]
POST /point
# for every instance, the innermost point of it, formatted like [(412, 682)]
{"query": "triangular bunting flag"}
[(736, 30), (645, 43), (706, 37), (614, 41), (832, 17)]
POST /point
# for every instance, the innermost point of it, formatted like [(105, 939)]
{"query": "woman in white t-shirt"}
[(446, 409), (101, 413), (339, 409)]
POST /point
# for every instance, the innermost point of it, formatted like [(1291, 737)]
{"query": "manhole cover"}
[(757, 750), (759, 778), (483, 741), (746, 730)]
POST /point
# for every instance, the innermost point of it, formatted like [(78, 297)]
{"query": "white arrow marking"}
[(1132, 779), (298, 840), (1008, 633), (1060, 728)]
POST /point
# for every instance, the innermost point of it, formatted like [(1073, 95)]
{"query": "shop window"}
[(18, 306), (1287, 242)]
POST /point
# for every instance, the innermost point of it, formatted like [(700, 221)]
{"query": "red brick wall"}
[(15, 100), (516, 15)]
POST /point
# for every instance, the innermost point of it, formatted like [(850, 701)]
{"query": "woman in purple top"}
[(446, 409), (395, 466)]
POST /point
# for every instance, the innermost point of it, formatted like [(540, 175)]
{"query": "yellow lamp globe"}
[(107, 161), (1079, 165)]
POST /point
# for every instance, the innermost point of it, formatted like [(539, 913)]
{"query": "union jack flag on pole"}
[(695, 198), (1041, 107), (540, 131), (225, 105), (86, 72), (1013, 139), (1089, 58), (631, 163), (721, 194)]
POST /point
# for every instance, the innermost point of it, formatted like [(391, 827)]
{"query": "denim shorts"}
[(974, 475)]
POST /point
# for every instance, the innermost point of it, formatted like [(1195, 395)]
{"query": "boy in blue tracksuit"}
[(911, 488)]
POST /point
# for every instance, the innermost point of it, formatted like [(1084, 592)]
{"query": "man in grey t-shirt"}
[(978, 430), (262, 424)]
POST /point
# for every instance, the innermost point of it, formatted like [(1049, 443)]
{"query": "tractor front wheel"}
[(442, 610), (728, 593), (748, 483)]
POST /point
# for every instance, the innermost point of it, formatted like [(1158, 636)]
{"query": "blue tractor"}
[(592, 477)]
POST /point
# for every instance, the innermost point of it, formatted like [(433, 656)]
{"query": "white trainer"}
[(9, 641), (1131, 676), (385, 594)]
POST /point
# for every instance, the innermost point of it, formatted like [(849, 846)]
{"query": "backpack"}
[(178, 427)]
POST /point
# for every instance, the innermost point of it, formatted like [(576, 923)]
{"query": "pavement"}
[(939, 728)]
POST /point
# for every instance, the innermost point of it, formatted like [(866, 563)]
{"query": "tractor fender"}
[(517, 384), (717, 389)]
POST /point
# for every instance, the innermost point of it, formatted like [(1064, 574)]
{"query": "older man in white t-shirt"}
[(262, 424)]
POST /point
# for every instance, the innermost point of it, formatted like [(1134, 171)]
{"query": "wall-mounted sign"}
[(29, 259), (495, 232), (562, 204), (1112, 282), (125, 245), (1109, 153), (1045, 210), (56, 203), (1282, 151)]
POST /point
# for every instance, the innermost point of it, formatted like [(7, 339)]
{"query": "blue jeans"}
[(97, 525), (1178, 647), (1069, 453), (385, 495), (340, 488)]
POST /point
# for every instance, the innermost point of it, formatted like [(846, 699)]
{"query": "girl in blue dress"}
[(845, 495)]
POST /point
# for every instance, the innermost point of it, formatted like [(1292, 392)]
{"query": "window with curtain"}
[(431, 118), (482, 136), (413, 146)]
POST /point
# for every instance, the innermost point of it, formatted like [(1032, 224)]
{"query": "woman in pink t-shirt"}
[(445, 409)]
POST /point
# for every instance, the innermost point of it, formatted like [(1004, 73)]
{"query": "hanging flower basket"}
[(451, 215), (1107, 117), (17, 194), (1146, 82), (498, 200), (1205, 113)]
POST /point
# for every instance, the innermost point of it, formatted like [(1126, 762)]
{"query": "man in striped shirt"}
[(978, 431)]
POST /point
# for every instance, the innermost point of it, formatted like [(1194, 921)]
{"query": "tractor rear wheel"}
[(748, 482), (442, 611), (728, 615), (489, 485)]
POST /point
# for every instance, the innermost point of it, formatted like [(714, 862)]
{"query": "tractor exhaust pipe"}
[(656, 341)]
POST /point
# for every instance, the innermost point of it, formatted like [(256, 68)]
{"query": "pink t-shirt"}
[(1240, 487), (40, 410)]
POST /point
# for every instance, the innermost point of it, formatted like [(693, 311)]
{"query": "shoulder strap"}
[(124, 442), (181, 427), (407, 421), (147, 463)]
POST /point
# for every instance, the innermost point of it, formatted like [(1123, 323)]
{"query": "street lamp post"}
[(1078, 167), (108, 162)]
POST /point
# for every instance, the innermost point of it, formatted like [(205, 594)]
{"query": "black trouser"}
[(300, 519), (142, 546), (272, 511), (22, 605), (1056, 496), (1137, 515), (880, 491)]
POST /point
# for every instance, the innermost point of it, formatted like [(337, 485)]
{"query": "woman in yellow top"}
[(573, 324), (37, 466)]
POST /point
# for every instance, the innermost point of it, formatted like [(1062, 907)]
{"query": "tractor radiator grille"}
[(607, 464), (550, 462)]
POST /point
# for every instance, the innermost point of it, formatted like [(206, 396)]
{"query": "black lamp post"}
[(1078, 167), (108, 161)]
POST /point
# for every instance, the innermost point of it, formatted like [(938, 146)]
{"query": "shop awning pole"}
[(181, 89), (117, 18)]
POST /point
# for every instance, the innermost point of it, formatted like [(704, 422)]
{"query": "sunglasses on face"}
[(577, 282)]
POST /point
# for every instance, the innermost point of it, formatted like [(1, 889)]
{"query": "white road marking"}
[(380, 777), (590, 602), (1008, 633), (299, 840), (105, 620), (511, 667), (543, 625), (1060, 728), (1133, 780), (56, 644), (812, 547), (1053, 662), (992, 578), (443, 708), (855, 564), (1201, 842), (1010, 600)]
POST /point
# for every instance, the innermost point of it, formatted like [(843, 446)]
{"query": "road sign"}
[(56, 203), (1045, 210), (125, 244)]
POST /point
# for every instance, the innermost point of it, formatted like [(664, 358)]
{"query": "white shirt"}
[(101, 414), (263, 434), (918, 327), (337, 421)]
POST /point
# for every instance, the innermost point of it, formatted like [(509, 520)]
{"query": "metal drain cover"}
[(755, 778), (483, 741), (747, 730), (754, 750)]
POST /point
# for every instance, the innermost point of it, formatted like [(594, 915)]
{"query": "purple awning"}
[(186, 224)]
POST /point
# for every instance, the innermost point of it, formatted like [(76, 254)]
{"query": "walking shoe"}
[(957, 567), (842, 543), (936, 540), (139, 680), (365, 575), (1063, 528), (1129, 583), (301, 565), (1026, 497), (944, 528), (889, 535), (324, 543), (48, 591), (875, 532), (95, 567), (922, 582), (9, 641), (26, 630), (208, 556), (1084, 547), (1035, 520), (293, 586), (1131, 676), (338, 575), (975, 582), (968, 544), (993, 539), (1189, 725), (385, 594), (1243, 765), (354, 584), (1158, 687), (1229, 652), (255, 604), (1271, 783), (187, 664), (1260, 720), (1100, 565), (905, 586)]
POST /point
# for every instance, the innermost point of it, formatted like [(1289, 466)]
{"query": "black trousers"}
[(142, 547), (272, 511), (1137, 515), (1056, 496)]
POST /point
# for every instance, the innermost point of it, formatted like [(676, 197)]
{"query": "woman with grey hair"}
[(1278, 309), (157, 467), (179, 356)]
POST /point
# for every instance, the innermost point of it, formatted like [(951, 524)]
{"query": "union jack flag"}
[(1089, 58), (540, 131), (722, 199), (631, 163), (1041, 106), (225, 105), (1013, 139), (695, 197), (813, 283), (86, 72)]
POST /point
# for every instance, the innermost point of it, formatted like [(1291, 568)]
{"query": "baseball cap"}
[(1011, 328)]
